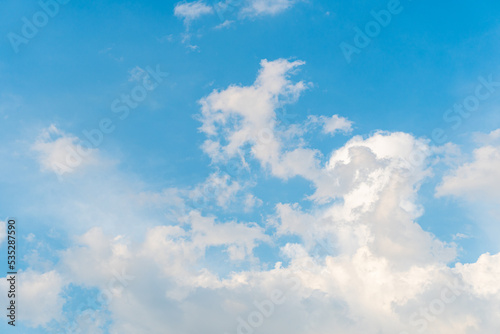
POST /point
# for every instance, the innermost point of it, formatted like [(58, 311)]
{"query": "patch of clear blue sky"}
[(424, 61)]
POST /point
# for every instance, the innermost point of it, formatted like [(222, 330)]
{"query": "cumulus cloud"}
[(163, 290), (482, 276), (98, 258), (352, 260), (128, 274), (40, 289), (477, 179), (239, 116), (378, 204), (62, 153)]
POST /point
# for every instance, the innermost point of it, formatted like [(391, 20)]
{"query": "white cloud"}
[(375, 178), (190, 11), (37, 289), (178, 250), (224, 24), (359, 262), (475, 180), (251, 202), (252, 108), (218, 188), (383, 270), (334, 124), (376, 159), (483, 275), (492, 138), (266, 7), (460, 236), (162, 271), (62, 153), (377, 205), (166, 287), (228, 12), (241, 238), (221, 190), (382, 267), (238, 117)]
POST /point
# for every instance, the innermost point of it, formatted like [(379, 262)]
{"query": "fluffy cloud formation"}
[(352, 289), (482, 276), (62, 153), (251, 110), (477, 179), (475, 182), (353, 260), (129, 276), (238, 117), (40, 289), (376, 204)]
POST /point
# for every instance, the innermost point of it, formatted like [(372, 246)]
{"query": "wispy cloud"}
[(189, 11), (266, 7)]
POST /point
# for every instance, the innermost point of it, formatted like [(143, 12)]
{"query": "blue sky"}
[(251, 140)]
